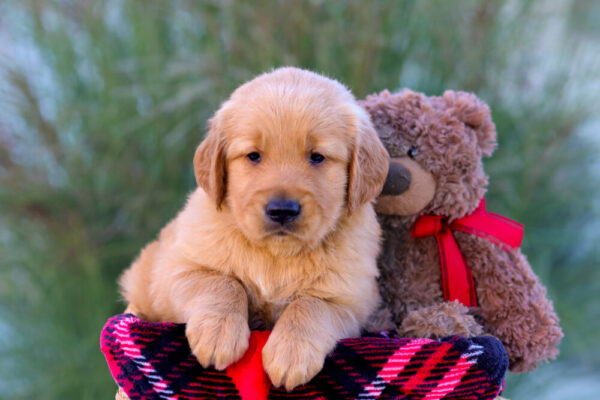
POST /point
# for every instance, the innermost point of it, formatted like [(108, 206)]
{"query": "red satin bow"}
[(248, 373), (456, 275)]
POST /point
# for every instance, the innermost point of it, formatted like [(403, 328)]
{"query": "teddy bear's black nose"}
[(397, 180), (283, 211)]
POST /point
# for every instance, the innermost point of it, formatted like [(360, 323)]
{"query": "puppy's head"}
[(289, 154)]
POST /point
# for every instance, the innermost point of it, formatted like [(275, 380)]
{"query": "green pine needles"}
[(103, 103)]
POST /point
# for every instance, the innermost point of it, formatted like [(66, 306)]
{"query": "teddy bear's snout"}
[(397, 180)]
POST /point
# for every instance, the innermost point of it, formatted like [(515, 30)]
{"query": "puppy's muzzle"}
[(283, 211)]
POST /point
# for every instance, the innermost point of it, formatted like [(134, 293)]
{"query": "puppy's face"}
[(289, 154), (287, 174)]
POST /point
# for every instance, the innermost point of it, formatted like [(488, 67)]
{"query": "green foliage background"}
[(103, 102)]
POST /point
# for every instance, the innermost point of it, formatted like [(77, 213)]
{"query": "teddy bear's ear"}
[(475, 114)]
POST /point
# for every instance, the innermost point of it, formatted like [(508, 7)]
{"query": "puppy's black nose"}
[(282, 211)]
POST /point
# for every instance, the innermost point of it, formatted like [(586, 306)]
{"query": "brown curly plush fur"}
[(451, 134)]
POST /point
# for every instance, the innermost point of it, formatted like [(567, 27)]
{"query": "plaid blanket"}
[(153, 361)]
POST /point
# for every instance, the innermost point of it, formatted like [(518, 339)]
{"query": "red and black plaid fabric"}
[(153, 361)]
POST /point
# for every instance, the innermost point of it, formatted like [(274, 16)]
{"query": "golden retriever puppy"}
[(280, 234)]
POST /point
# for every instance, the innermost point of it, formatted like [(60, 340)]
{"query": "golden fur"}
[(223, 268)]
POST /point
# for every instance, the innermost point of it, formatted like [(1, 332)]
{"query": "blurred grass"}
[(103, 103)]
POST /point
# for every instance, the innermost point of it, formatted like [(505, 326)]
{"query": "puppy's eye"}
[(254, 156), (412, 152), (316, 158)]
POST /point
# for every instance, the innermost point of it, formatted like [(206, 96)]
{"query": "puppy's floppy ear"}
[(209, 163), (369, 163)]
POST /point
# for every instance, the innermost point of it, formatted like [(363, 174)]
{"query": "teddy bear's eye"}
[(412, 152)]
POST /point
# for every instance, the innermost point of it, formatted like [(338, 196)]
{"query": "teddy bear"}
[(448, 266)]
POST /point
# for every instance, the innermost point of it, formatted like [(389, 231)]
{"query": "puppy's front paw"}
[(218, 340), (291, 361)]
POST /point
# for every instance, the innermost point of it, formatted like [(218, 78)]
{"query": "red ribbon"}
[(248, 373), (457, 278)]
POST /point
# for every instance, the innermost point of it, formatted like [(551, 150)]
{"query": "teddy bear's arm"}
[(513, 304), (439, 320)]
